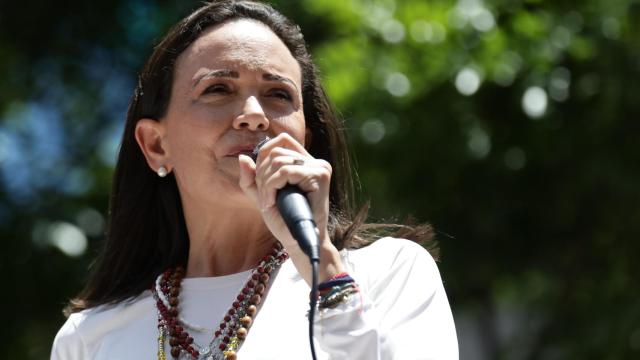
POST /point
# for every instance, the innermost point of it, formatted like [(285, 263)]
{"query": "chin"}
[(227, 187), (230, 186)]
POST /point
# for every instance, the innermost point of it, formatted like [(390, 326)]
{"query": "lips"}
[(245, 149)]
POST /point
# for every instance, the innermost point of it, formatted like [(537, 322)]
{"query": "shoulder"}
[(83, 331), (390, 252), (68, 343), (392, 258)]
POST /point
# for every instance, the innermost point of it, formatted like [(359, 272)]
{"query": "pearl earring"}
[(162, 171)]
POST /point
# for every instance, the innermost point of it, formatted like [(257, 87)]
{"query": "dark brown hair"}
[(146, 229)]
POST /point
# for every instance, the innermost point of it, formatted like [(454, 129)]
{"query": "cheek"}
[(301, 131), (293, 124), (190, 144), (198, 123), (207, 117)]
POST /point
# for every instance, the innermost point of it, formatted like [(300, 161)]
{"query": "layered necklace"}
[(233, 328)]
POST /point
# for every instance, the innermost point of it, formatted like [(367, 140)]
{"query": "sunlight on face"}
[(235, 84)]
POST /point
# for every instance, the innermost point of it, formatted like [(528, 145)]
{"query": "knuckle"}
[(285, 171), (286, 136), (324, 170), (280, 162), (325, 164), (279, 151), (324, 175), (314, 185)]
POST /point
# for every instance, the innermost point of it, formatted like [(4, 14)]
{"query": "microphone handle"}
[(296, 212)]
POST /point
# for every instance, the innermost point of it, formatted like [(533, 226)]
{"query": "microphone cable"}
[(312, 304), (296, 213)]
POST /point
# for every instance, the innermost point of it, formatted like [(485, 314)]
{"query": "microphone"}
[(294, 207), (296, 212)]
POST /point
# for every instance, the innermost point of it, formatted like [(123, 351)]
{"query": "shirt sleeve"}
[(401, 312), (68, 343)]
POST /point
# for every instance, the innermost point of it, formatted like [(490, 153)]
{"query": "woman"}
[(198, 262)]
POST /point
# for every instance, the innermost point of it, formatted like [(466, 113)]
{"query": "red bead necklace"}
[(233, 328)]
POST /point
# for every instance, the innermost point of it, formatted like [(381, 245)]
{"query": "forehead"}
[(240, 45)]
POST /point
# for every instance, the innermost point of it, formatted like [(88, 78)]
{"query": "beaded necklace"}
[(233, 328)]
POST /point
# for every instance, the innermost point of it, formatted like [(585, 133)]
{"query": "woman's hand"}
[(281, 161)]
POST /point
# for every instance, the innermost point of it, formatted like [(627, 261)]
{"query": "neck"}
[(225, 242)]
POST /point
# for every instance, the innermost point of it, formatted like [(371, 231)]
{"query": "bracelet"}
[(335, 290), (335, 282), (337, 294), (338, 276)]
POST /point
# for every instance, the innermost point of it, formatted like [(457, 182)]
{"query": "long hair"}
[(146, 228)]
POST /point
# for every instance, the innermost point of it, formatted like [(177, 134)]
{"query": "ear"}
[(308, 138), (150, 135)]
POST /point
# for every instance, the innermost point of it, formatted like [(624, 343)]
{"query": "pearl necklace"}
[(233, 328)]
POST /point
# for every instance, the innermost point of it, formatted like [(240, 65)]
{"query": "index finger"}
[(283, 140)]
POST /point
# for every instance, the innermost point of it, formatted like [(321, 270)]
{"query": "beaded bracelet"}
[(336, 289), (337, 294)]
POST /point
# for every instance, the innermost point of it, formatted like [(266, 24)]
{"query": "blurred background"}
[(511, 125)]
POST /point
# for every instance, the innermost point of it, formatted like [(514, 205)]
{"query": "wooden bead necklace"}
[(233, 328)]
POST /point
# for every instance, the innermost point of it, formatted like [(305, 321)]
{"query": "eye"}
[(217, 89), (281, 94)]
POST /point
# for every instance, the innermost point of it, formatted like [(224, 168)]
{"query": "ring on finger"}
[(298, 161)]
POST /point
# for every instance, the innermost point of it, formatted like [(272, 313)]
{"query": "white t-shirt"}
[(401, 312)]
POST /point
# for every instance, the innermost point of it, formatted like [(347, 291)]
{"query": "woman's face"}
[(233, 86)]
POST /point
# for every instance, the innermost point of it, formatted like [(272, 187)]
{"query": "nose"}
[(252, 116)]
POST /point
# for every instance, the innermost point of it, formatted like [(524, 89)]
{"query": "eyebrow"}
[(225, 73), (216, 74), (274, 77)]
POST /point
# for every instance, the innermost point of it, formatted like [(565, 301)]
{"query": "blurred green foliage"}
[(511, 126)]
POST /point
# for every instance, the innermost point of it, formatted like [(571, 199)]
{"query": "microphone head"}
[(254, 153)]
